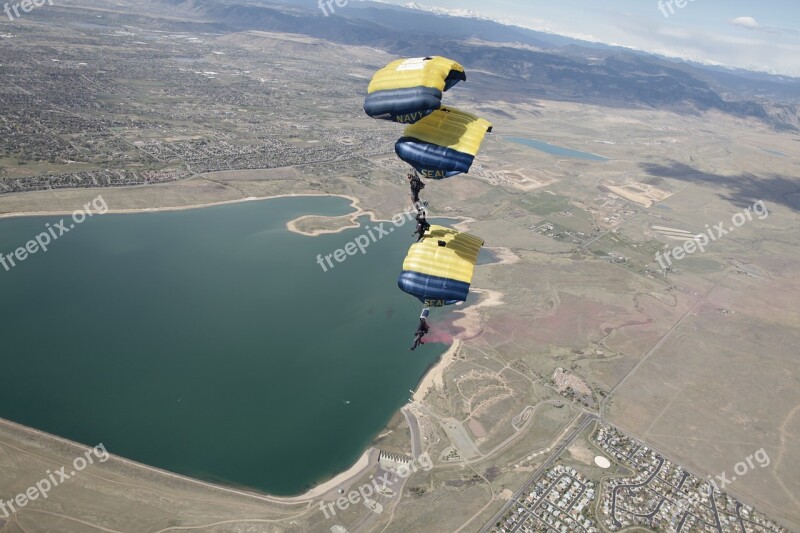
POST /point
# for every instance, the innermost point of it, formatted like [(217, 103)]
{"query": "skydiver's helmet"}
[(425, 312)]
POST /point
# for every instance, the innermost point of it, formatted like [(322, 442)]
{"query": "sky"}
[(759, 35)]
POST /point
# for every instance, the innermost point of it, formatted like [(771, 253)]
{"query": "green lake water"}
[(209, 342)]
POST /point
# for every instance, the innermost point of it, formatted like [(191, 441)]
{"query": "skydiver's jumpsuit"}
[(422, 226), (422, 330), (416, 187)]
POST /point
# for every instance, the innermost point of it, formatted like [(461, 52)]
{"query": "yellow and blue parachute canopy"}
[(444, 143), (438, 269), (407, 90)]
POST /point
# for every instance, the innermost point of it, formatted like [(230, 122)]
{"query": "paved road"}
[(413, 425)]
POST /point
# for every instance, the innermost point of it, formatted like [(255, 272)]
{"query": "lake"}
[(555, 150), (210, 342)]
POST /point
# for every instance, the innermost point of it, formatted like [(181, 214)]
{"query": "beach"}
[(41, 440), (470, 322), (353, 202)]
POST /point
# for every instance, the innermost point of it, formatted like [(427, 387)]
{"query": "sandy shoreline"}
[(290, 226), (355, 471), (352, 217), (146, 209), (470, 320), (505, 256), (435, 375), (353, 201), (471, 323)]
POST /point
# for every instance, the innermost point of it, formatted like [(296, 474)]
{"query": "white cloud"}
[(746, 22), (753, 50), (761, 48)]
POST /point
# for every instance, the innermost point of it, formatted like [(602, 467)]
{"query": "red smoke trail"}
[(443, 332), (437, 335)]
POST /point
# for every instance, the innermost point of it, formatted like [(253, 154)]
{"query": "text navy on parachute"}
[(408, 90), (444, 143)]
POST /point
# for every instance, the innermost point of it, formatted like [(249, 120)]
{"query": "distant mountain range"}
[(464, 13), (530, 63)]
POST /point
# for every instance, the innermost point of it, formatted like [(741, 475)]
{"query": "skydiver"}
[(416, 186), (422, 330), (422, 225)]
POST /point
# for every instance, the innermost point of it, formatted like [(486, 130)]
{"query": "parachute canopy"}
[(444, 143), (407, 90), (438, 269)]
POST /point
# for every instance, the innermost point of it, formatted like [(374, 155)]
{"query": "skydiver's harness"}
[(423, 323), (422, 226)]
